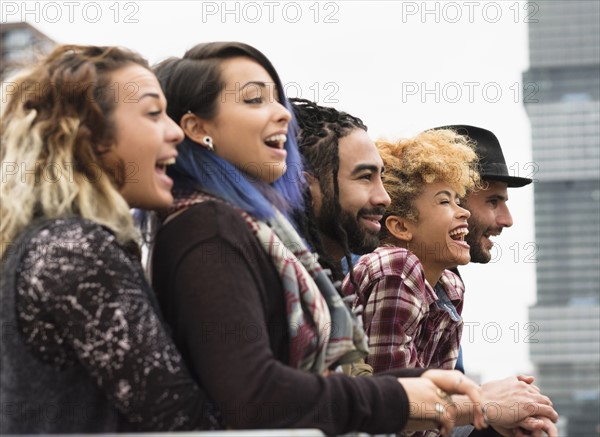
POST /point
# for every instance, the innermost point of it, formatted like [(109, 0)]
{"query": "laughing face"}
[(145, 139), (437, 238), (362, 197), (489, 215), (250, 128)]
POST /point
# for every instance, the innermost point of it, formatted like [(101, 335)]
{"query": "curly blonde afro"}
[(438, 155)]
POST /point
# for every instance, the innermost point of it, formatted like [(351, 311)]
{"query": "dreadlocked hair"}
[(320, 129)]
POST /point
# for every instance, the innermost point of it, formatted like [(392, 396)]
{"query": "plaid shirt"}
[(403, 316)]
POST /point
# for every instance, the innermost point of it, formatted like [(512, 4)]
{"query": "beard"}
[(360, 240), (479, 254)]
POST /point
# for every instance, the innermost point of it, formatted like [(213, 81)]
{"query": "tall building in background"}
[(21, 44), (562, 99)]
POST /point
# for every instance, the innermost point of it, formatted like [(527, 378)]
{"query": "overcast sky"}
[(400, 66)]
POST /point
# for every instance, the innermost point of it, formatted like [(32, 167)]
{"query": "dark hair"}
[(318, 140), (194, 83)]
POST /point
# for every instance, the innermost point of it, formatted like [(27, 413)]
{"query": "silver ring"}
[(439, 408)]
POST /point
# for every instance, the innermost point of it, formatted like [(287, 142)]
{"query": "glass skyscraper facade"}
[(562, 99)]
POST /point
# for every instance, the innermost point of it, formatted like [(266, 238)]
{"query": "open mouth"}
[(164, 163), (276, 141), (459, 234), (372, 222), (487, 236), (491, 234), (372, 218)]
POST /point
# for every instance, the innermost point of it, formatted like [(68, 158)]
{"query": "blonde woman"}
[(85, 137), (412, 302)]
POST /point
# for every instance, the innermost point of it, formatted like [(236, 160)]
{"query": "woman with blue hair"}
[(253, 313)]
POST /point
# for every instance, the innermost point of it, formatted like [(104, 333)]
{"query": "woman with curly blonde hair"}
[(412, 302), (86, 137)]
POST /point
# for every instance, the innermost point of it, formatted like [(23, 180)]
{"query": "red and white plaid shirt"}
[(402, 314)]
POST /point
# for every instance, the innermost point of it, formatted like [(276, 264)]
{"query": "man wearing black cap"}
[(488, 207), (489, 215)]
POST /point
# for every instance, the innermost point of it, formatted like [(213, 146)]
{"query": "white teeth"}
[(278, 138), (460, 231), (165, 162)]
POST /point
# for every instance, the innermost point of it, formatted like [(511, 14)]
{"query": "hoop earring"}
[(208, 142), (408, 246)]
